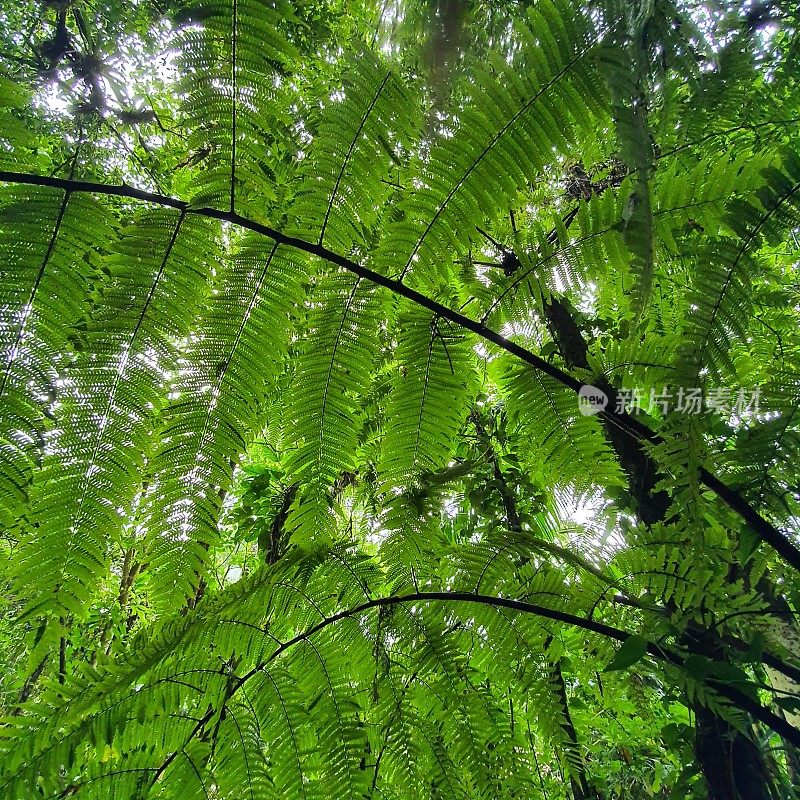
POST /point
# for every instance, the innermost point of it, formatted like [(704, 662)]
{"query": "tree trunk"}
[(732, 765)]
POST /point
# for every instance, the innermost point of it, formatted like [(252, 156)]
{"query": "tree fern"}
[(103, 431), (46, 284), (332, 370), (297, 496), (497, 145), (221, 390)]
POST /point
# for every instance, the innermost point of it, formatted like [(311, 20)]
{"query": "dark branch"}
[(746, 703), (765, 530)]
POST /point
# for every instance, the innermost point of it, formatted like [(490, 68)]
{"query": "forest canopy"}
[(400, 399)]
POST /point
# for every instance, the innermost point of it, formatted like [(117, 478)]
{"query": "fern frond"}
[(46, 287), (347, 172), (518, 115), (19, 150), (291, 743), (240, 766), (90, 473), (434, 383), (323, 671), (623, 68), (333, 371), (234, 56), (225, 376), (565, 447)]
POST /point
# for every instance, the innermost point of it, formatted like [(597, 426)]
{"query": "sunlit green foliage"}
[(296, 493)]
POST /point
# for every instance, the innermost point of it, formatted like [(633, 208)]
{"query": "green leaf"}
[(632, 650), (748, 542), (753, 655)]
